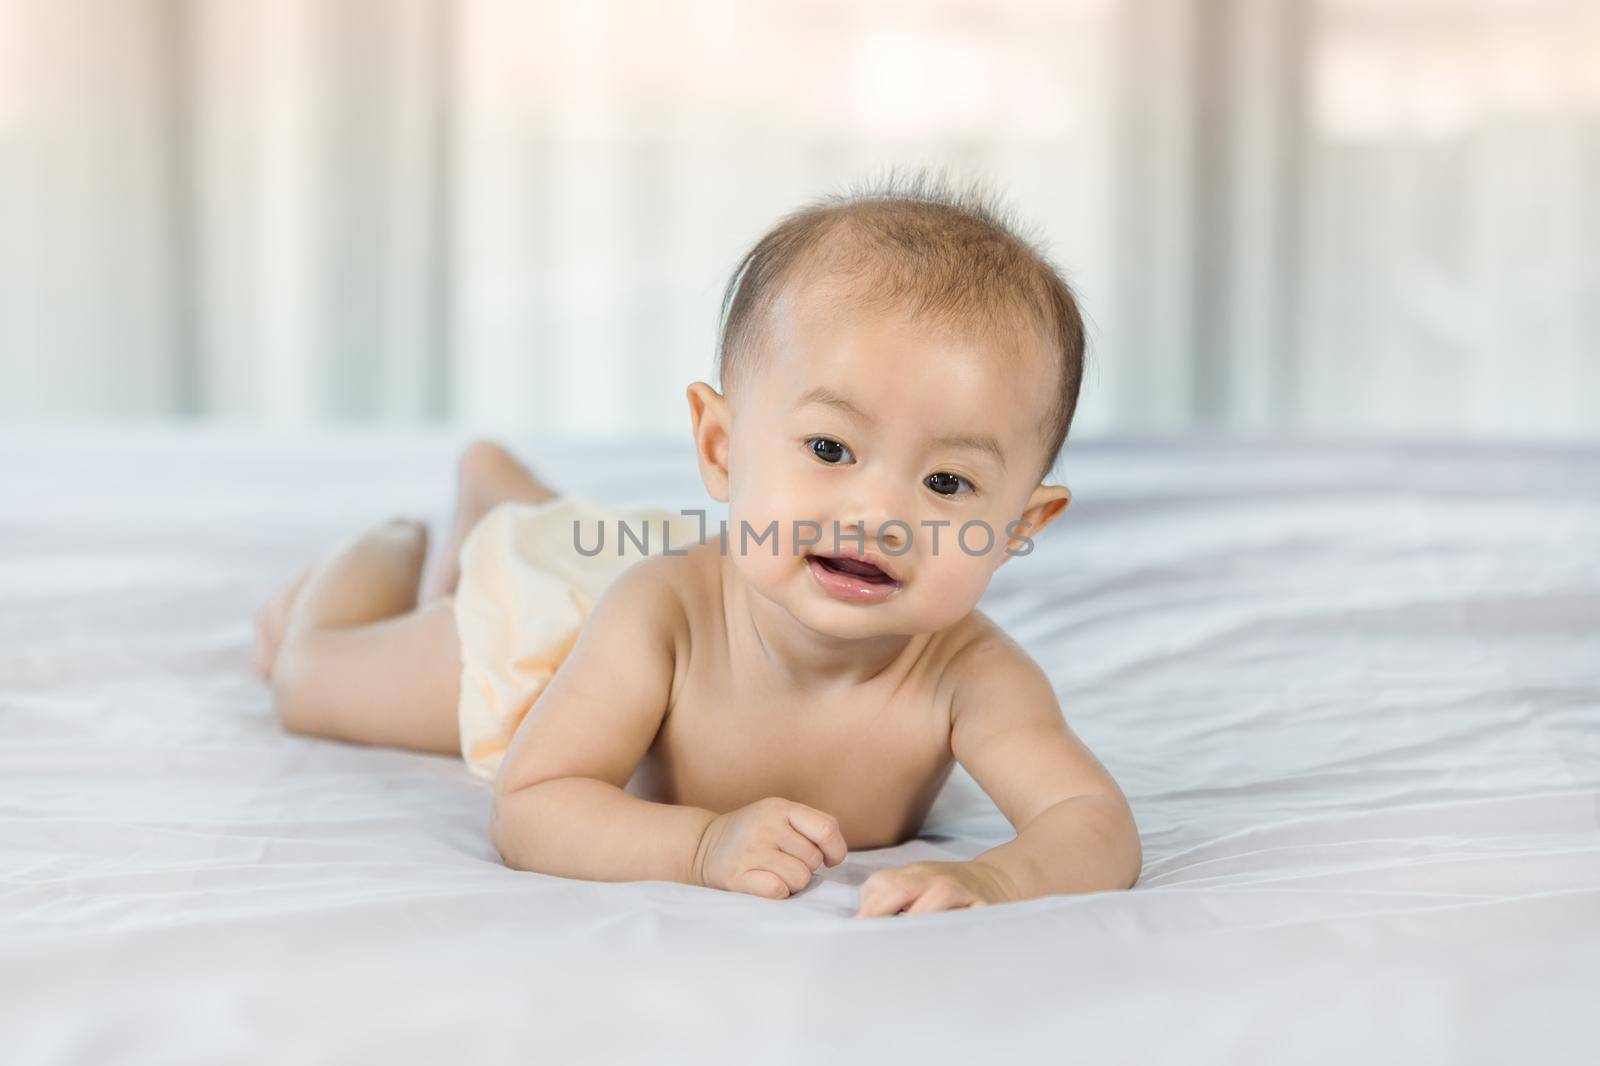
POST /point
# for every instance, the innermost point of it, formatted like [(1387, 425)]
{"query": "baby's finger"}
[(821, 829), (801, 848), (795, 874), (763, 883), (940, 896), (884, 896)]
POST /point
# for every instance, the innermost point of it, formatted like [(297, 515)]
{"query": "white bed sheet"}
[(1352, 691)]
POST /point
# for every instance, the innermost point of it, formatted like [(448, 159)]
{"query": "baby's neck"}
[(803, 657)]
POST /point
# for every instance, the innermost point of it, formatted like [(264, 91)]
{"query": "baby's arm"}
[(1075, 831), (561, 805)]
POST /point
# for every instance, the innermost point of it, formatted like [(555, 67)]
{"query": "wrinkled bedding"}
[(1351, 690)]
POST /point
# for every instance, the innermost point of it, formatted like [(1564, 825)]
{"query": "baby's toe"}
[(270, 624)]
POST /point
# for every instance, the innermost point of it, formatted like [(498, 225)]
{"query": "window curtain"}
[(1323, 216)]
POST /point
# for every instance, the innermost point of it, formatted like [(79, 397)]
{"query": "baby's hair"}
[(951, 255)]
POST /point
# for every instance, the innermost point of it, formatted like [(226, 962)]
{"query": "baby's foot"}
[(369, 578), (486, 475), (270, 624)]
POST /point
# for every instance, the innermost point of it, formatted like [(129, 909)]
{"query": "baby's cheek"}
[(760, 539), (951, 584), (756, 527), (779, 513)]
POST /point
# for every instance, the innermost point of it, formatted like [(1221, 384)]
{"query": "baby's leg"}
[(486, 475), (358, 660)]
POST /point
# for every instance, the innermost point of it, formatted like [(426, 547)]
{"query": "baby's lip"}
[(870, 558)]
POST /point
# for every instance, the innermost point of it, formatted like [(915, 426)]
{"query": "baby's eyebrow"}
[(830, 398), (978, 442)]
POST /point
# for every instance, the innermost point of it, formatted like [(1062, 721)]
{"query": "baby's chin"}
[(852, 623)]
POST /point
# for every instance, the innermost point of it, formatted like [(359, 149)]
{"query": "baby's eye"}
[(830, 451), (948, 484)]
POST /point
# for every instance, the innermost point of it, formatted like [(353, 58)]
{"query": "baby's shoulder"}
[(639, 613), (670, 585), (977, 642), (983, 659), (682, 571)]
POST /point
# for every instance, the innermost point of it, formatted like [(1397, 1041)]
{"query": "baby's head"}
[(900, 365)]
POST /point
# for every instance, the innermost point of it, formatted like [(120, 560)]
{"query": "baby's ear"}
[(1044, 507), (713, 426)]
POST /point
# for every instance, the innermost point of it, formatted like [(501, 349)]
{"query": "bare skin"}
[(359, 647), (724, 719), (488, 475)]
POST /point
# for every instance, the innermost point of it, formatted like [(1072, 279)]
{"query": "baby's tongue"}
[(860, 569)]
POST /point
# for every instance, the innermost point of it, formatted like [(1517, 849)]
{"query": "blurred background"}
[(1321, 217)]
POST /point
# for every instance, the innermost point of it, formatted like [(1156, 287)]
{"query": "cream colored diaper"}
[(525, 592)]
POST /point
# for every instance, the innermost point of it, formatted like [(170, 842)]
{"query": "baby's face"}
[(923, 442)]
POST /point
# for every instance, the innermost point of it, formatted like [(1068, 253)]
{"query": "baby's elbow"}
[(511, 842), (1135, 865), (1132, 849), (497, 834)]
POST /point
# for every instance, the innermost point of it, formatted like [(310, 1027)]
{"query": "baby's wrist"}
[(1004, 880), (697, 856)]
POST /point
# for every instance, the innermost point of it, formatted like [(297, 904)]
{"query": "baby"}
[(898, 373)]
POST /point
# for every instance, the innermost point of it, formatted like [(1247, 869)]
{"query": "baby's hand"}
[(768, 848), (922, 887)]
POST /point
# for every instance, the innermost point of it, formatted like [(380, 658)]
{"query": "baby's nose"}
[(887, 533), (879, 511)]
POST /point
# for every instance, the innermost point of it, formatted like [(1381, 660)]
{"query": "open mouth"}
[(855, 568)]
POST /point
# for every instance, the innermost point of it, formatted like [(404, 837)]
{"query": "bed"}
[(1351, 690)]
